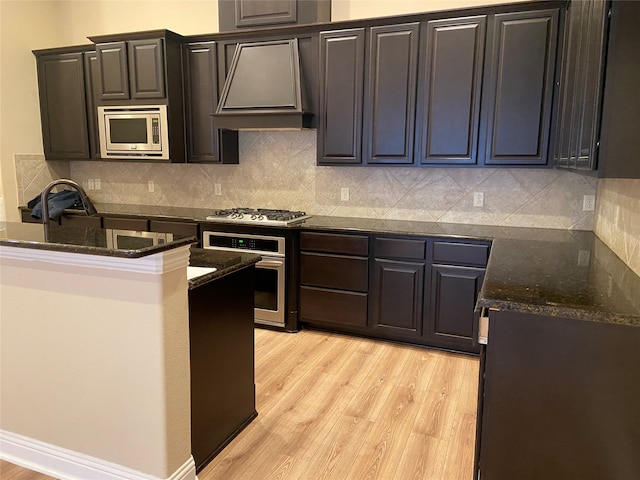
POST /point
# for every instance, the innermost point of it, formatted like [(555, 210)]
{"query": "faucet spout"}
[(89, 207)]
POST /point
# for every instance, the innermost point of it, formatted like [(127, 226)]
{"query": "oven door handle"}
[(269, 263)]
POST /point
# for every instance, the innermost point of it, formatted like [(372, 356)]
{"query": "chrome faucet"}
[(89, 208)]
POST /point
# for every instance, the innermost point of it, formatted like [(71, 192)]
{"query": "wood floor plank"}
[(334, 407)]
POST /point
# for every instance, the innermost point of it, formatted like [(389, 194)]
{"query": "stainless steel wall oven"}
[(275, 303)]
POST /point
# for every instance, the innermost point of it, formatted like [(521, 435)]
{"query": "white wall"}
[(24, 26), (349, 9), (95, 358)]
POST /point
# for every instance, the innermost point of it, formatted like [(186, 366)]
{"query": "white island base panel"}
[(95, 364)]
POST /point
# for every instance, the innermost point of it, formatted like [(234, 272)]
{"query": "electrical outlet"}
[(588, 203), (96, 183), (584, 257), (91, 184), (478, 199), (152, 186), (217, 189), (344, 194)]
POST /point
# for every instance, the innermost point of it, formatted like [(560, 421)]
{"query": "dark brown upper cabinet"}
[(620, 138), (243, 14), (390, 102), (93, 97), (205, 143), (449, 90), (519, 83), (131, 70), (63, 105), (341, 96), (581, 85)]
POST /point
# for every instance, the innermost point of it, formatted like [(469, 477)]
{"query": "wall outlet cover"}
[(588, 203), (344, 194), (151, 185), (478, 199)]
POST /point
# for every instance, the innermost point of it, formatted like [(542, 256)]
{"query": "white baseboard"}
[(66, 464)]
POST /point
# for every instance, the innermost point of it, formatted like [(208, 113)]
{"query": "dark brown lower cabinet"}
[(559, 399), (452, 322), (325, 305), (412, 289), (334, 278), (222, 362), (397, 297)]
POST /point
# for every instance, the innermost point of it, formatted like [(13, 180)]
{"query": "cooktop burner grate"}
[(258, 215)]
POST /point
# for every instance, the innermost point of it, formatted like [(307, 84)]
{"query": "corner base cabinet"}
[(558, 399)]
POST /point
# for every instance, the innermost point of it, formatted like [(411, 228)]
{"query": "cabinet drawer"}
[(460, 253), (400, 248), (335, 243), (117, 223), (331, 306), (346, 273), (80, 221), (26, 217), (179, 228)]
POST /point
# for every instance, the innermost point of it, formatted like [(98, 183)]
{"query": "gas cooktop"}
[(258, 216)]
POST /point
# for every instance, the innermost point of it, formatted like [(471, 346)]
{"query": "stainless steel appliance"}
[(134, 240), (133, 132), (257, 216), (270, 307)]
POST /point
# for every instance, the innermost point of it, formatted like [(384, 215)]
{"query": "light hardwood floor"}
[(338, 407), (344, 408)]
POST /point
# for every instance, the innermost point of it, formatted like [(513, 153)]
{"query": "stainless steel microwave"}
[(135, 240), (133, 132)]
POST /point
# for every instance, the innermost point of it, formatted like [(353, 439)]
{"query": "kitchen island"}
[(96, 353)]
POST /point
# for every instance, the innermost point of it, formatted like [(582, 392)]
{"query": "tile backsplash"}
[(278, 170), (618, 218), (33, 174)]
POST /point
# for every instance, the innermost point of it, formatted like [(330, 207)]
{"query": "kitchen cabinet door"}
[(580, 96), (131, 69), (243, 14), (92, 77), (620, 142), (114, 71), (519, 84), (63, 108), (449, 90), (341, 91), (397, 297), (146, 68), (389, 109), (452, 322), (205, 143), (560, 399)]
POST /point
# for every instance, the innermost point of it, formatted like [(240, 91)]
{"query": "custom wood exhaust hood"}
[(264, 89)]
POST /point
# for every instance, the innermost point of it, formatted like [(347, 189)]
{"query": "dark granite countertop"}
[(91, 241), (563, 273), (552, 272), (224, 262)]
